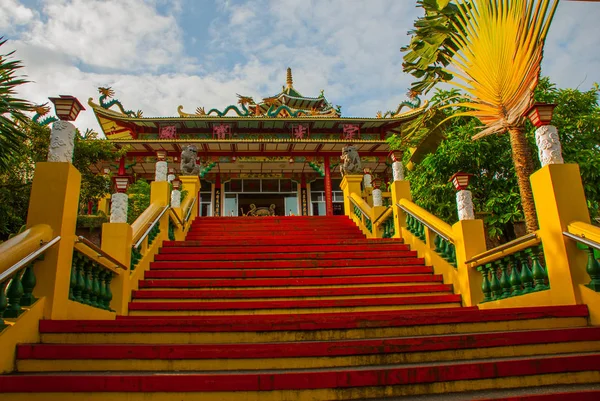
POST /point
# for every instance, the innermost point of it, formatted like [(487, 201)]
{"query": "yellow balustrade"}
[(23, 244)]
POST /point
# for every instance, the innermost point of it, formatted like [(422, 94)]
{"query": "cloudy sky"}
[(158, 54)]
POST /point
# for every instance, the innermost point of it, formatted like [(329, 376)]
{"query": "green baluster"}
[(78, 290), (408, 223), (95, 286), (542, 260), (392, 229), (451, 254), (537, 270), (504, 282), (495, 283), (593, 270), (87, 282), (171, 231), (515, 280), (3, 303), (73, 280), (109, 296), (102, 289), (437, 241), (485, 282), (14, 292), (444, 249), (28, 280), (526, 275)]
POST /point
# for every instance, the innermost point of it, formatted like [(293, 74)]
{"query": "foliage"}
[(91, 221), (12, 109), (139, 199)]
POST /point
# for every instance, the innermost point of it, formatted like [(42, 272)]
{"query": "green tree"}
[(139, 199)]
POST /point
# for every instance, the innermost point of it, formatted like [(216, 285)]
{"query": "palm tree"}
[(12, 109), (496, 51)]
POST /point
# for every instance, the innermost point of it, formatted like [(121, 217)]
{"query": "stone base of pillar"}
[(548, 144), (398, 171), (464, 203), (118, 209), (175, 198), (161, 171), (377, 197)]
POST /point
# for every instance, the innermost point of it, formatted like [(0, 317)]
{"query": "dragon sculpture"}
[(413, 103), (107, 93), (40, 111)]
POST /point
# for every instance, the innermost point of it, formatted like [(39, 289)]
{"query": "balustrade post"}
[(560, 200), (117, 240), (400, 190), (350, 184), (191, 184), (469, 240)]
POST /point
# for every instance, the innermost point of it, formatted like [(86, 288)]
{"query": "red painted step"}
[(308, 379), (307, 322), (285, 256), (591, 395), (273, 282), (287, 264), (290, 293), (306, 349), (295, 304), (283, 241), (168, 250)]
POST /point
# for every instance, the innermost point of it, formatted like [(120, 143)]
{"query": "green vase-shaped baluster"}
[(14, 292), (444, 249), (494, 282), (87, 282), (539, 276), (593, 270), (485, 283), (78, 290), (95, 286), (101, 289), (504, 281), (451, 254), (526, 275), (3, 303), (29, 283), (515, 280), (73, 280), (438, 244), (109, 296)]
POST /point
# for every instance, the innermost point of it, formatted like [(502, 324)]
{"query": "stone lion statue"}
[(188, 161), (350, 161)]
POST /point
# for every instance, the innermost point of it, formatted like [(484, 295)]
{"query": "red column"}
[(328, 194)]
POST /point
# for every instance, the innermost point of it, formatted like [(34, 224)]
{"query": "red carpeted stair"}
[(305, 308)]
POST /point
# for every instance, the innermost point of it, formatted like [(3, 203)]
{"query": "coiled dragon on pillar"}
[(40, 111), (414, 104)]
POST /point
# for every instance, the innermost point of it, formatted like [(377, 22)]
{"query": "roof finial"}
[(290, 82)]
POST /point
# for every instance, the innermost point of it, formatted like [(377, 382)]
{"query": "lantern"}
[(176, 184), (540, 114), (67, 108), (395, 155), (161, 155), (461, 180), (121, 183), (233, 159), (291, 160), (376, 182)]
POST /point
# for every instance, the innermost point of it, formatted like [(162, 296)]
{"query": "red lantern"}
[(461, 180), (67, 108), (176, 184), (540, 114), (395, 155), (161, 155), (121, 183), (376, 182)]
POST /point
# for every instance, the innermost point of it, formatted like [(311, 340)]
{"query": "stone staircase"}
[(306, 308)]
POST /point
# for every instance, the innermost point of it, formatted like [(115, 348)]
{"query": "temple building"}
[(283, 150)]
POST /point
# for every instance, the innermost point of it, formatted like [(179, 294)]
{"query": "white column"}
[(398, 171), (175, 198), (367, 180), (548, 143), (170, 177), (118, 208), (464, 202), (377, 197), (62, 142), (161, 171)]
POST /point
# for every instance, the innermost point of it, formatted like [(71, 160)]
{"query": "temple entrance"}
[(241, 194)]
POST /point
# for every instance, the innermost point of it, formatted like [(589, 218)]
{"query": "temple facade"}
[(279, 154)]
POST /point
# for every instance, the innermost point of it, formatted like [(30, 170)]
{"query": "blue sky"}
[(158, 54)]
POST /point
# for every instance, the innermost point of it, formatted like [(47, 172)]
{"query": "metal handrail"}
[(502, 247), (173, 214), (358, 206), (381, 215), (27, 259), (426, 224), (189, 211), (137, 244), (583, 240), (100, 252)]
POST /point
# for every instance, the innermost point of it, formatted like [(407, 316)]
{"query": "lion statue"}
[(350, 161), (188, 161)]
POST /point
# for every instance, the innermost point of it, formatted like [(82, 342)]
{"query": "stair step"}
[(287, 264), (380, 256), (204, 242), (253, 249), (297, 355)]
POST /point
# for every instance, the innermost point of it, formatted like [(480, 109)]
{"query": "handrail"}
[(173, 214), (583, 240), (382, 215), (27, 259), (356, 202), (100, 252), (503, 247), (426, 224), (189, 211), (151, 226)]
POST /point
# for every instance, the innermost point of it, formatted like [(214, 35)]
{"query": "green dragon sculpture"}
[(40, 111), (415, 104), (107, 93), (242, 101)]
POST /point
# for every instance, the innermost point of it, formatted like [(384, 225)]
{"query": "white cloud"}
[(13, 15)]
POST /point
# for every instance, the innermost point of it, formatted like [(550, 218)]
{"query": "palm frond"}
[(500, 44)]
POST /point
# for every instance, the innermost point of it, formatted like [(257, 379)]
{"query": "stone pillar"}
[(62, 142), (377, 197), (464, 203), (398, 171), (161, 171), (118, 209), (170, 177), (328, 191), (548, 143), (367, 180), (175, 198)]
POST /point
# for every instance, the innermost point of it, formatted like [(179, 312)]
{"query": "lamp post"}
[(119, 200), (464, 198), (62, 136), (176, 193), (397, 167), (161, 166), (377, 194), (546, 135)]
